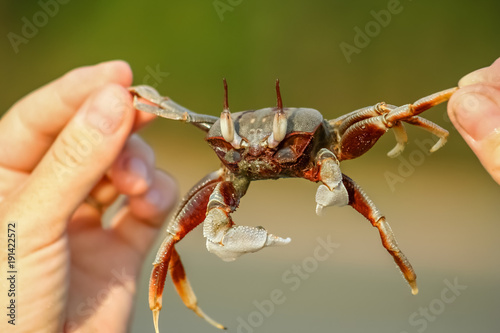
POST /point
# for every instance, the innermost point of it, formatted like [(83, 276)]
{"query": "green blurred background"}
[(445, 213)]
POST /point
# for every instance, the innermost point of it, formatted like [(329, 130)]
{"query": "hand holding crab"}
[(66, 152), (475, 112), (273, 143)]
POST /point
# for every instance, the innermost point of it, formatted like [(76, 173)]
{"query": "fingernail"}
[(485, 75), (155, 197), (472, 78), (138, 168), (477, 115), (107, 110)]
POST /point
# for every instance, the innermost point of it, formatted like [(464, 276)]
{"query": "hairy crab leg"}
[(190, 213), (360, 202)]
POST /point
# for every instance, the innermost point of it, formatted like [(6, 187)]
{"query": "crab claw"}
[(146, 92), (332, 192), (229, 242), (325, 197)]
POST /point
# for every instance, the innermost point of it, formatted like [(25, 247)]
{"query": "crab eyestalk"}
[(226, 123), (279, 123)]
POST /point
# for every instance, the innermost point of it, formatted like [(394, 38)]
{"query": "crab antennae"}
[(279, 122)]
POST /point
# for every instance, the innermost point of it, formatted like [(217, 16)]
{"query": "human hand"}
[(475, 111), (66, 152)]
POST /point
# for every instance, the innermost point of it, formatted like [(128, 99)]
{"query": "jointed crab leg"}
[(358, 131), (423, 104), (429, 126), (190, 213), (360, 201), (167, 108), (184, 289)]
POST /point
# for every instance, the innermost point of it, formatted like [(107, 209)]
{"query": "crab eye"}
[(226, 123)]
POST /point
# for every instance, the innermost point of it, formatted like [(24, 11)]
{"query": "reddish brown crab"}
[(275, 143)]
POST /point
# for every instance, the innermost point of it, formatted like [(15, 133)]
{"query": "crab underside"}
[(275, 143)]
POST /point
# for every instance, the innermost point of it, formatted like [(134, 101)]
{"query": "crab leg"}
[(423, 104), (184, 289), (429, 126), (167, 108), (360, 202), (189, 213), (224, 238), (359, 132), (344, 122), (401, 140)]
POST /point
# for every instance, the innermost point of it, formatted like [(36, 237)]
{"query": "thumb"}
[(475, 112), (76, 161)]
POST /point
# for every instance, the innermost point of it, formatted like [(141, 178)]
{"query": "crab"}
[(271, 143)]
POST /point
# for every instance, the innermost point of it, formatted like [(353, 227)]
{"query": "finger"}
[(142, 119), (10, 180), (76, 162), (153, 205), (488, 75), (30, 127), (475, 112), (131, 174), (139, 222), (103, 194), (133, 170)]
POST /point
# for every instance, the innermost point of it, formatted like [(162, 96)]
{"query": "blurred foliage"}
[(426, 47)]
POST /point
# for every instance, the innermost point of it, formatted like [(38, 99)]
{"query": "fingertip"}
[(132, 172), (115, 71), (109, 110), (475, 111), (488, 75), (475, 77), (119, 69)]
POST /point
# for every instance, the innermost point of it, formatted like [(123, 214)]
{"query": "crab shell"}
[(306, 133)]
